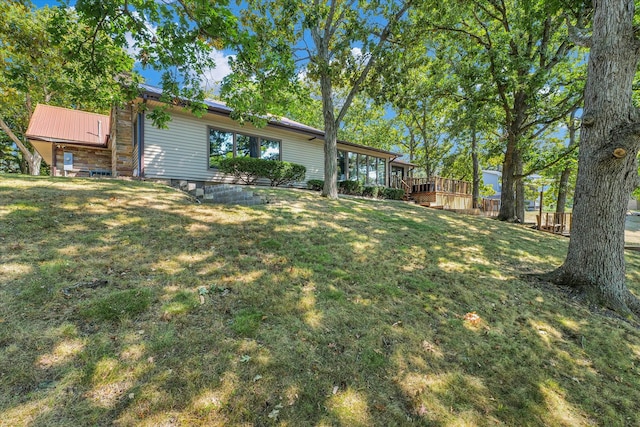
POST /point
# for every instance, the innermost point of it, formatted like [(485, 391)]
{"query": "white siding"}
[(182, 150), (307, 153)]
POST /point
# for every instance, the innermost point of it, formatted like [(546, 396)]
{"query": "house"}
[(72, 142), (493, 179), (77, 143)]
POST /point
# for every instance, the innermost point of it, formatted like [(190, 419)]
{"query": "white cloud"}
[(213, 76), (131, 48), (356, 52)]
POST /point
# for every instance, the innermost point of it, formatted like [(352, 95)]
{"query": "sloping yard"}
[(125, 303)]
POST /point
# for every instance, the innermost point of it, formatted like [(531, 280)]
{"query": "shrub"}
[(315, 184), (393, 193), (350, 187), (371, 191), (249, 169), (245, 169), (279, 172)]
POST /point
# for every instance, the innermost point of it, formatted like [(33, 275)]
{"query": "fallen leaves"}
[(473, 318)]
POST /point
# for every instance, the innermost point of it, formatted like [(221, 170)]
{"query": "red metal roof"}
[(62, 125)]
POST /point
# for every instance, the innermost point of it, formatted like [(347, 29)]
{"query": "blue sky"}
[(153, 77)]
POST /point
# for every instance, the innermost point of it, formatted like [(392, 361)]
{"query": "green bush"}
[(246, 169), (249, 169), (315, 184), (350, 187), (371, 191), (393, 193), (279, 172)]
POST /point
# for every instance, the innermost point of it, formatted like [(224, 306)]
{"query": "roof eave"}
[(65, 141)]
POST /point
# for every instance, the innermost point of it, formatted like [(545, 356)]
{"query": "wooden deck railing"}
[(557, 223), (432, 184)]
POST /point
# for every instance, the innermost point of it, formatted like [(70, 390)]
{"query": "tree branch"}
[(577, 36), (476, 37), (363, 75), (25, 152), (538, 168)]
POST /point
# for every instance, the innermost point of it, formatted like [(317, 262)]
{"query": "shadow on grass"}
[(315, 312)]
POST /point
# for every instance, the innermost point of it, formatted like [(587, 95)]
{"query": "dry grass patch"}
[(304, 311)]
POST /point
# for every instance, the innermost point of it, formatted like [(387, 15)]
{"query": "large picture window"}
[(220, 146), (369, 170), (225, 144)]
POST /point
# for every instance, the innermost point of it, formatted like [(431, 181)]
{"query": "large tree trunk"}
[(330, 188), (35, 161), (507, 196), (607, 167), (512, 165)]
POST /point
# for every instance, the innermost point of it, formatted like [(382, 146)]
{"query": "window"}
[(382, 172), (342, 170), (269, 149), (226, 144), (220, 146), (246, 146), (353, 166), (372, 171), (362, 168)]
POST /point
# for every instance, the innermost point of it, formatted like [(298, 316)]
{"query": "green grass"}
[(316, 312)]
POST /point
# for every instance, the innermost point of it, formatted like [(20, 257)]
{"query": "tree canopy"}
[(40, 63)]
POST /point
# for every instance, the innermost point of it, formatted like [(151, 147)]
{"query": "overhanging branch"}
[(577, 35), (538, 167)]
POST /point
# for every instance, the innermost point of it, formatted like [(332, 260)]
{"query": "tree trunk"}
[(520, 195), (607, 166), (563, 184), (475, 193), (507, 197), (563, 188), (427, 160), (512, 164), (330, 188), (33, 160)]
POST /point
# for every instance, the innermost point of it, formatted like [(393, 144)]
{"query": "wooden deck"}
[(555, 223), (436, 192)]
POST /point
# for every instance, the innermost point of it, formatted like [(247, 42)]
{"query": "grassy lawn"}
[(126, 303)]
